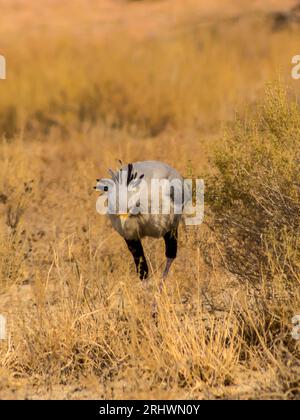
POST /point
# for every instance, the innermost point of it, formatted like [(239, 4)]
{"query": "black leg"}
[(171, 250), (136, 249), (171, 243)]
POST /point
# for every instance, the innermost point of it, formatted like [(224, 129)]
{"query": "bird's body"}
[(141, 181), (139, 226), (147, 223)]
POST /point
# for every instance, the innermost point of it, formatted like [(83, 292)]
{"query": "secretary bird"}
[(142, 181)]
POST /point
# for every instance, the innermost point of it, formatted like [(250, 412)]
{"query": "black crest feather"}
[(129, 173)]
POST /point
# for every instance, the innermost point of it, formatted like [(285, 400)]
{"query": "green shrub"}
[(255, 193)]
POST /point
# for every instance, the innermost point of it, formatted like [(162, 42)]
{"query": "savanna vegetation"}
[(209, 92)]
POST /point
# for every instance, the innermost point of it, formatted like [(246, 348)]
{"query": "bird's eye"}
[(105, 188)]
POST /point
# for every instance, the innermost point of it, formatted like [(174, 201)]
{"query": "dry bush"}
[(255, 192), (16, 192), (254, 200)]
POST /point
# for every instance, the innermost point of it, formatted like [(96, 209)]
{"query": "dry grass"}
[(79, 320)]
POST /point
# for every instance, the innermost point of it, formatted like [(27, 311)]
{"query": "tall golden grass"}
[(79, 320)]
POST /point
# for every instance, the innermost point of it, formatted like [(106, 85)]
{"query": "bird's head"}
[(122, 191), (104, 185)]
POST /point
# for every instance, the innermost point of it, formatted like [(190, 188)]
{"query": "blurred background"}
[(140, 65)]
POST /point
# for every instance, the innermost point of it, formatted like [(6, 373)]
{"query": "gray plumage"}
[(138, 221)]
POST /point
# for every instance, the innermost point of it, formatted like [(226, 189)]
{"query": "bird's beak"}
[(123, 216), (97, 187), (99, 191)]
